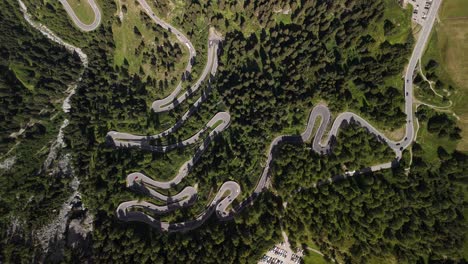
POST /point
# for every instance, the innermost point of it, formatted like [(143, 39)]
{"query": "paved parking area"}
[(420, 10), (282, 254)]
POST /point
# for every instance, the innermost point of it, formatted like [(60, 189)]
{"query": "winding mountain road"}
[(219, 205), (174, 99), (218, 123), (85, 27), (230, 190)]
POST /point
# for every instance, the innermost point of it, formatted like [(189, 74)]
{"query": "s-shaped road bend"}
[(85, 27), (230, 190)]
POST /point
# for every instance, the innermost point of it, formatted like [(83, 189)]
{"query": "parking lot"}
[(420, 10), (281, 254)]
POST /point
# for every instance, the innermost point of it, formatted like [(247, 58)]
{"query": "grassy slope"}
[(431, 142), (172, 14), (402, 20), (127, 42), (83, 10), (449, 46), (314, 258), (25, 75), (454, 9)]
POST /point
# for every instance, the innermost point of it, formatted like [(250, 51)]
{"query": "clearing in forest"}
[(449, 47)]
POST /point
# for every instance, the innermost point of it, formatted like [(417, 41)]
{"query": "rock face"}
[(73, 224), (70, 229), (79, 229), (8, 163)]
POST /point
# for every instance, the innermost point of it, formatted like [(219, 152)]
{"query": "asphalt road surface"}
[(229, 191), (78, 22), (174, 99), (125, 140), (226, 194), (187, 166)]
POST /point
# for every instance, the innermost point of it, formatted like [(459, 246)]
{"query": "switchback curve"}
[(320, 111), (85, 27)]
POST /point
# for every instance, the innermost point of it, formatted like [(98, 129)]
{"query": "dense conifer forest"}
[(274, 67)]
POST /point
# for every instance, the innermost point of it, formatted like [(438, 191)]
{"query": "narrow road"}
[(85, 27), (123, 140), (226, 194), (411, 70), (174, 99), (229, 191), (184, 170)]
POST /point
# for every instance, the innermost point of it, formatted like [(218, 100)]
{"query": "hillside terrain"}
[(205, 131)]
